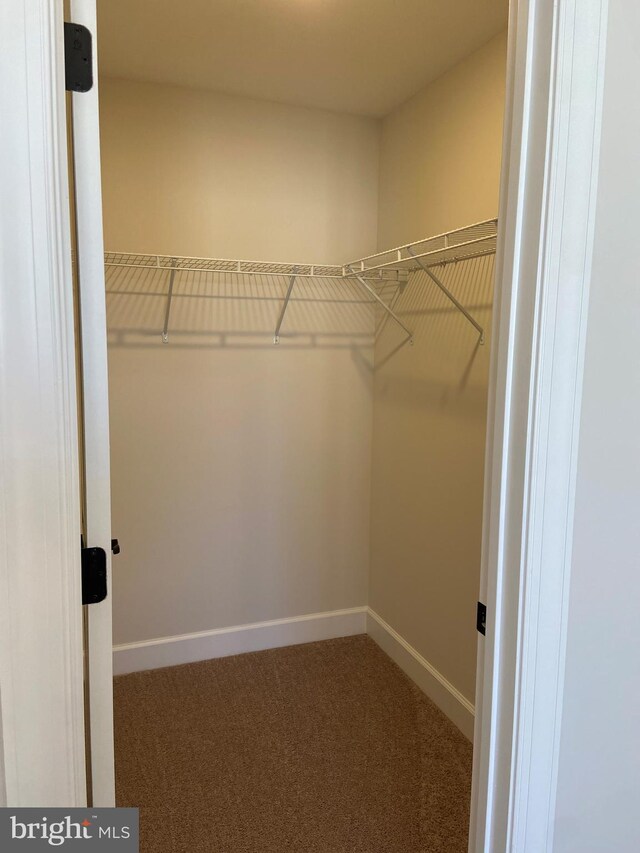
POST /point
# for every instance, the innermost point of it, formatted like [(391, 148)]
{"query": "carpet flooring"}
[(321, 748)]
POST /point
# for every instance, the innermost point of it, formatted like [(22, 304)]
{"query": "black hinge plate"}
[(481, 618), (78, 58), (94, 575)]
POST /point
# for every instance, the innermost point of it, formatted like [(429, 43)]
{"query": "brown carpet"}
[(325, 748)]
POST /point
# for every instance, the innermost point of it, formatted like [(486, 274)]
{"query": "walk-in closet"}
[(300, 204)]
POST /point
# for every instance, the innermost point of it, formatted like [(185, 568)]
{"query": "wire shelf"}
[(472, 241), (373, 273), (222, 265)]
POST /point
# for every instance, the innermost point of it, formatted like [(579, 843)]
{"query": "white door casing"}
[(545, 245), (41, 684)]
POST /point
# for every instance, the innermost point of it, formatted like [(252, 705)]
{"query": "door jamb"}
[(93, 333)]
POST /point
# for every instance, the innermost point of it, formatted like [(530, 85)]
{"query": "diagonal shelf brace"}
[(292, 281), (403, 281), (165, 328), (389, 311), (448, 294)]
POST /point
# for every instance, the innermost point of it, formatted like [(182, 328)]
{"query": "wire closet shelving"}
[(392, 266)]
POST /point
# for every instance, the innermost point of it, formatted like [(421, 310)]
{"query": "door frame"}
[(41, 666), (553, 118), (552, 132)]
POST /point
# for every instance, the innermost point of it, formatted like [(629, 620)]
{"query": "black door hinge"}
[(78, 58), (481, 618), (94, 575)]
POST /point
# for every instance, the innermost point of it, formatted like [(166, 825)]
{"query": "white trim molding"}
[(448, 698), (543, 271), (238, 639), (41, 681), (312, 627)]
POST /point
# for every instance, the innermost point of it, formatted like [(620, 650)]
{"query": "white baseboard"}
[(237, 639), (450, 701), (221, 642)]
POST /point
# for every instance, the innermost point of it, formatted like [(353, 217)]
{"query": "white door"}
[(95, 419)]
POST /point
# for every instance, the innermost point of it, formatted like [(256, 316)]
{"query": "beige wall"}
[(197, 173), (240, 470), (439, 169), (440, 152)]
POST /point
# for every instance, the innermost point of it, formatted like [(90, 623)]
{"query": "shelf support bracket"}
[(381, 302), (165, 328), (448, 294), (292, 281), (403, 280)]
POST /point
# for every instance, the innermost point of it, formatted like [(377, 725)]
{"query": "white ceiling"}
[(356, 56)]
